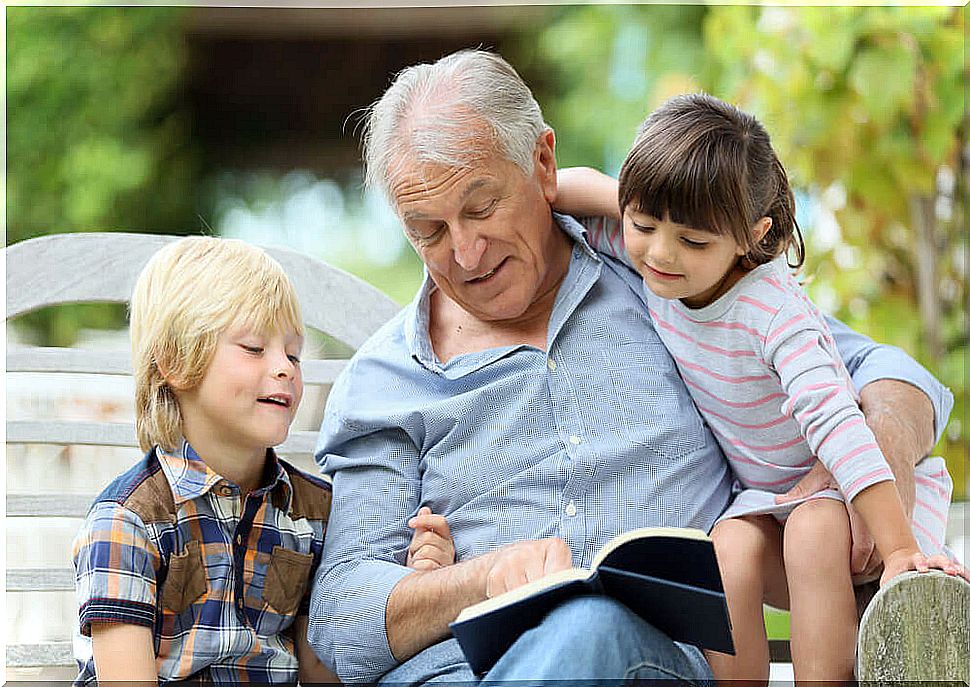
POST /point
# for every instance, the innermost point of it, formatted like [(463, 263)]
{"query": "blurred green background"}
[(241, 122)]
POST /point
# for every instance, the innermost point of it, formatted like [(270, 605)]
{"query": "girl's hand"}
[(431, 546), (902, 560)]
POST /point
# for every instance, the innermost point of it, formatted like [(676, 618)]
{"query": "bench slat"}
[(40, 655), (86, 361), (67, 433), (114, 434), (40, 580), (49, 505)]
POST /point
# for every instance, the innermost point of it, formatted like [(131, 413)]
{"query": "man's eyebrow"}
[(474, 186)]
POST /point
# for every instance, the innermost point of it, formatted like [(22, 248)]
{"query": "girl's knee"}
[(742, 546), (817, 534)]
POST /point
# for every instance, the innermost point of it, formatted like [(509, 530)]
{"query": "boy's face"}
[(248, 395)]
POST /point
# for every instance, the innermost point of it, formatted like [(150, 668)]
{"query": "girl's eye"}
[(295, 359), (642, 228), (252, 349), (694, 244)]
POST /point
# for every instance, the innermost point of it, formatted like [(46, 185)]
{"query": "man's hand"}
[(423, 603), (865, 561), (516, 564), (817, 479), (431, 545)]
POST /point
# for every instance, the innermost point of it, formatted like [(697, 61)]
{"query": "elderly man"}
[(523, 394)]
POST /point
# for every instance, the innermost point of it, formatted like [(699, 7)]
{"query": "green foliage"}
[(599, 87), (96, 139)]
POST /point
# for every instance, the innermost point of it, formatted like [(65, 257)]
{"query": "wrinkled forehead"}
[(420, 185)]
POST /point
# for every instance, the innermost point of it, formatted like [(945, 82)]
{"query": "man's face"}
[(486, 232)]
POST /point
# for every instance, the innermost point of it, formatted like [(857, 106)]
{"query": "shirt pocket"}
[(186, 582), (286, 579), (655, 409)]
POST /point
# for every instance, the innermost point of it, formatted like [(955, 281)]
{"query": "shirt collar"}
[(191, 478), (417, 325)]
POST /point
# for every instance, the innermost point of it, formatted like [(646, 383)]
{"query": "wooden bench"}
[(102, 267)]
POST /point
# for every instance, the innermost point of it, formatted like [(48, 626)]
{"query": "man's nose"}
[(469, 247)]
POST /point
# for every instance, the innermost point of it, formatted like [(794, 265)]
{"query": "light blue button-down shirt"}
[(594, 437)]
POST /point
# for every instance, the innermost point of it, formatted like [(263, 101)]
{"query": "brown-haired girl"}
[(708, 221)]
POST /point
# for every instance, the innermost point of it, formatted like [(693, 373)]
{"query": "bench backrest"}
[(103, 267)]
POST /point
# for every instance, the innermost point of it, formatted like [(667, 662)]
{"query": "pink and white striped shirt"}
[(764, 371)]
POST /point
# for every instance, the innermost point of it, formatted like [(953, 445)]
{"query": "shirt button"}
[(239, 541), (551, 364), (575, 440), (570, 509)]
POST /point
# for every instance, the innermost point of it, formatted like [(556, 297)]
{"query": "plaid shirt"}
[(219, 578)]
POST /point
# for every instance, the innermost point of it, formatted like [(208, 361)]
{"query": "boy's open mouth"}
[(277, 400)]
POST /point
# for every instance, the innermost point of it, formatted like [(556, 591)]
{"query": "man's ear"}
[(545, 164)]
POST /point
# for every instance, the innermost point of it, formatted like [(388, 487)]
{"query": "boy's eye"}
[(645, 228), (295, 359)]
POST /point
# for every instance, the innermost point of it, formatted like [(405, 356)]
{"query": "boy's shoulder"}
[(143, 489), (311, 494)]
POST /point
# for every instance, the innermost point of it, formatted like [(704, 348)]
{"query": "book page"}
[(513, 595), (643, 533)]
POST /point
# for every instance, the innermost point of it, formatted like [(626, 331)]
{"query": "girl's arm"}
[(585, 192), (123, 654), (803, 355)]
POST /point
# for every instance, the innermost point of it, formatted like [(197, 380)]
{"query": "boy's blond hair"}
[(188, 294)]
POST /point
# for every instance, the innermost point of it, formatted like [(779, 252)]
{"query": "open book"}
[(666, 575)]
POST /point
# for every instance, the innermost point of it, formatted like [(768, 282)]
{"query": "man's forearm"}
[(422, 604), (901, 418)]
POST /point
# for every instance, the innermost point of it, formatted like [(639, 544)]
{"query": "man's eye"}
[(426, 235), (484, 211)]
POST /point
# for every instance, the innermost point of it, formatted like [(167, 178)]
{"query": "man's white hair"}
[(461, 109)]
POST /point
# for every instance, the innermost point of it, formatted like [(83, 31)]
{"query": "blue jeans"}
[(588, 641)]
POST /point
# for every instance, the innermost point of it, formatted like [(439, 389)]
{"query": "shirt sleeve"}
[(376, 480), (605, 235), (820, 399), (868, 361), (115, 563)]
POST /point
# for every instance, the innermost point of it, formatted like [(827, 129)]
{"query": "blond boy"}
[(195, 563)]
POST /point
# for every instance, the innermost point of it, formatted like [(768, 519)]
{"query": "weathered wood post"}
[(916, 628)]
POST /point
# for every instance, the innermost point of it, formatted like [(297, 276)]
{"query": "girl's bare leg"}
[(823, 613), (749, 553)]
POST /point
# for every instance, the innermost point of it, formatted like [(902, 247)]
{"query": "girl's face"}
[(677, 261)]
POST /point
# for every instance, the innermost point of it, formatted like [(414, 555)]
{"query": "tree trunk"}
[(923, 217)]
